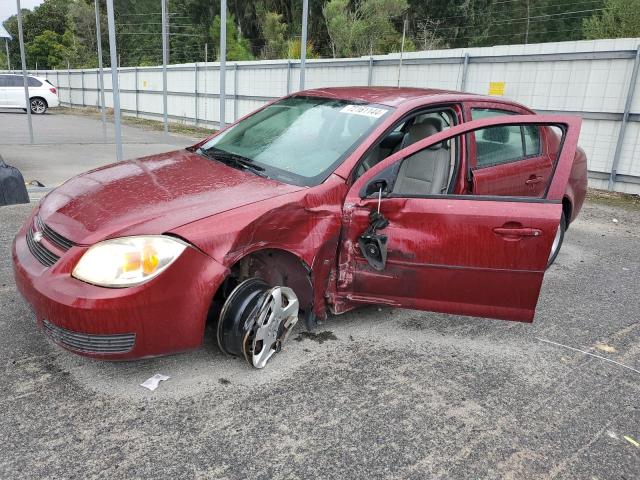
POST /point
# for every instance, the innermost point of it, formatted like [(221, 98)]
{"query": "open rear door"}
[(480, 255)]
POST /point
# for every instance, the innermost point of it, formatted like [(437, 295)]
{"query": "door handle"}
[(517, 232), (533, 180)]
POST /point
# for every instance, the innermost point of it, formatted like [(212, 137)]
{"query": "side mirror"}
[(374, 186)]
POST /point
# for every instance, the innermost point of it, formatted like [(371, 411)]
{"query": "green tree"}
[(364, 28), (620, 18), (294, 49), (49, 51), (238, 48), (274, 32)]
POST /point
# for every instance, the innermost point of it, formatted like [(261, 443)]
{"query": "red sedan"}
[(319, 202)]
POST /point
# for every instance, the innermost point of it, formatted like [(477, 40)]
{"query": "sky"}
[(8, 7)]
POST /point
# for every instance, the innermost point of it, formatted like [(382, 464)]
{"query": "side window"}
[(15, 81), (504, 144), (531, 134), (34, 82), (428, 172), (4, 80), (497, 145), (410, 130)]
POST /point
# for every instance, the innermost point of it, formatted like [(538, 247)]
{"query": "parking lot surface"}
[(388, 393), (66, 145)]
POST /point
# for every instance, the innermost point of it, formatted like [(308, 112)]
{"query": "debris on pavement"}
[(590, 354), (603, 347), (317, 337), (153, 382), (632, 441)]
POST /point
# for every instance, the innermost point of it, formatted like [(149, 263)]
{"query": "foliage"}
[(274, 32), (365, 27), (620, 18), (294, 49), (61, 31), (238, 48), (47, 50)]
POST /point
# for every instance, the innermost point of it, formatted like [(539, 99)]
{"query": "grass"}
[(145, 123), (614, 199)]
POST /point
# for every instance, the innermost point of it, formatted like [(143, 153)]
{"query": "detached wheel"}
[(256, 320), (38, 106), (557, 241)]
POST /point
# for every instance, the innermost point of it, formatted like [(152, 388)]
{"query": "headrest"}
[(423, 129), (496, 134)]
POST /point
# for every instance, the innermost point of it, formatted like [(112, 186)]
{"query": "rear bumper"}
[(165, 315)]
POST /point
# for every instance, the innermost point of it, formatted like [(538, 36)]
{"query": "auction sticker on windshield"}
[(364, 110)]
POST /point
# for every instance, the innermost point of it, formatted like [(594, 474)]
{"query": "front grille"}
[(53, 236), (89, 343), (42, 254)]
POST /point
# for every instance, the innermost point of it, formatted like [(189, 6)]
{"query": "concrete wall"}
[(587, 78)]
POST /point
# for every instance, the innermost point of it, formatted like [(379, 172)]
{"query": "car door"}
[(509, 160), (481, 255), (4, 80)]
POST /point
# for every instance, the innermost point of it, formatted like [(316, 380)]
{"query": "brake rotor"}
[(256, 320)]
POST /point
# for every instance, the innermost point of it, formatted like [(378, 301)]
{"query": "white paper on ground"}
[(153, 382)]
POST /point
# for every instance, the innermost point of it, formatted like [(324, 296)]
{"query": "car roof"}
[(390, 96)]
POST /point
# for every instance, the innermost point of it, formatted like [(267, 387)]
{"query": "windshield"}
[(298, 140)]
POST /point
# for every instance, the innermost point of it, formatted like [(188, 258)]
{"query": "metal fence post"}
[(135, 80), (625, 119), (235, 92), (465, 69), (115, 88), (24, 72), (165, 60), (370, 73), (195, 70), (288, 77), (303, 41), (100, 74), (223, 62), (82, 85)]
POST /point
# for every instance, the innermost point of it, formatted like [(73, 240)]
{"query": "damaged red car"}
[(319, 202)]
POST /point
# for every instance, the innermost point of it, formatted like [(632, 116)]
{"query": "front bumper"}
[(165, 315)]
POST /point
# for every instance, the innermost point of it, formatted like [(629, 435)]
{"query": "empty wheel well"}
[(566, 209), (276, 267)]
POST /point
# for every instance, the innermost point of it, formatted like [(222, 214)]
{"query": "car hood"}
[(151, 195)]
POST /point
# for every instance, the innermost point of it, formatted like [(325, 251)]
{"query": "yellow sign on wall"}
[(496, 88)]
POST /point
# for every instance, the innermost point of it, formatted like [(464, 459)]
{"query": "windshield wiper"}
[(232, 159)]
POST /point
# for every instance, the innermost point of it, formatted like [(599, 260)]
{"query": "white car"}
[(42, 93)]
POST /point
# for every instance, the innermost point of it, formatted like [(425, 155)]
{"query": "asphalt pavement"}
[(66, 145), (376, 393), (388, 393)]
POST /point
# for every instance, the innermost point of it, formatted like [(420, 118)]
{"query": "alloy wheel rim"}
[(37, 106)]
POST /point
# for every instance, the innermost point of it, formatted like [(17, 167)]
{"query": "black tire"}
[(557, 242), (38, 105)]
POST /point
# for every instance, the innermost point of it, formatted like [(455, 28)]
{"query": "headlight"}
[(127, 261)]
